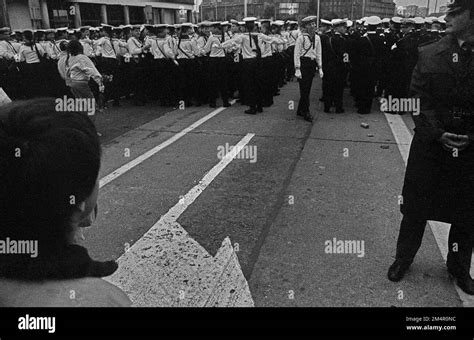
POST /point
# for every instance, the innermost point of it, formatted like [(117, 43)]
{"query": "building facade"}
[(34, 14), (422, 12), (354, 9), (234, 9), (285, 9), (411, 11)]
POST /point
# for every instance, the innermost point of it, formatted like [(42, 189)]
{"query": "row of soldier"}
[(375, 56), (197, 64), (193, 64)]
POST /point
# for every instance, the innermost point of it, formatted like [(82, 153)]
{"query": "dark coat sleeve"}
[(426, 122)]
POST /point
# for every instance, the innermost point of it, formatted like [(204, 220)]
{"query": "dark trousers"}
[(290, 67), (139, 83), (11, 80), (264, 74), (33, 79), (233, 77), (187, 80), (218, 79), (333, 87), (308, 70), (109, 67), (202, 78), (249, 84), (460, 243)]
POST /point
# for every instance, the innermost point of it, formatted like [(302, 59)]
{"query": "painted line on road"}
[(166, 267), (440, 230), (130, 165)]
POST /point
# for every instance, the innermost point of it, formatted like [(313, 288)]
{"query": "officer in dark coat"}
[(335, 61), (439, 180), (370, 51)]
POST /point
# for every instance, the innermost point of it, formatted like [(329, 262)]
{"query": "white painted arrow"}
[(167, 268)]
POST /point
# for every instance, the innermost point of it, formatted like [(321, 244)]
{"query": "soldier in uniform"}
[(164, 60), (217, 66), (367, 61), (137, 49), (307, 60), (439, 180), (187, 51), (335, 60), (266, 68), (293, 33)]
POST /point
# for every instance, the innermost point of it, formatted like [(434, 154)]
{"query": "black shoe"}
[(226, 104), (363, 111), (327, 109), (464, 281), (259, 109), (299, 114), (251, 111), (308, 117), (397, 270), (340, 110), (213, 105)]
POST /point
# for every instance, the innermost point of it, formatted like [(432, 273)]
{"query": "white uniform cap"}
[(350, 23), (419, 21), (373, 21), (249, 19), (326, 22), (337, 22), (309, 18), (385, 20), (397, 20)]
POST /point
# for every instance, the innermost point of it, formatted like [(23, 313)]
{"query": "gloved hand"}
[(298, 74), (321, 73), (101, 88)]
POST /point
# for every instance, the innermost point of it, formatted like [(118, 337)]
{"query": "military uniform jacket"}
[(439, 186)]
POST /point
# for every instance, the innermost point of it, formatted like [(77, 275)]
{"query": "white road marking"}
[(130, 165), (440, 230), (166, 267)]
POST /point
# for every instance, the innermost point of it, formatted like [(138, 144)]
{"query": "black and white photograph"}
[(261, 156)]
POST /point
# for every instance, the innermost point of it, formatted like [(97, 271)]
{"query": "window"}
[(90, 14), (137, 15), (115, 15)]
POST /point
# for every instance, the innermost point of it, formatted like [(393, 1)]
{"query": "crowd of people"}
[(197, 64)]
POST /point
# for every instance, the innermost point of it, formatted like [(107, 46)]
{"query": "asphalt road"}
[(305, 185)]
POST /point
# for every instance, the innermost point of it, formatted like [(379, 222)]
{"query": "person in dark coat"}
[(439, 180), (335, 61), (370, 51)]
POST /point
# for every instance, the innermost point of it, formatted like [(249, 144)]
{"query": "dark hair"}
[(74, 48), (29, 37), (63, 45), (47, 160)]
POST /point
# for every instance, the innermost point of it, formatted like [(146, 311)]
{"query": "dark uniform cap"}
[(460, 5)]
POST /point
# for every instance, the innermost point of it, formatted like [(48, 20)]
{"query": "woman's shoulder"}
[(84, 292)]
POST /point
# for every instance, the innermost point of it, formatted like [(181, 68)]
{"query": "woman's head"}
[(75, 47), (49, 165)]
